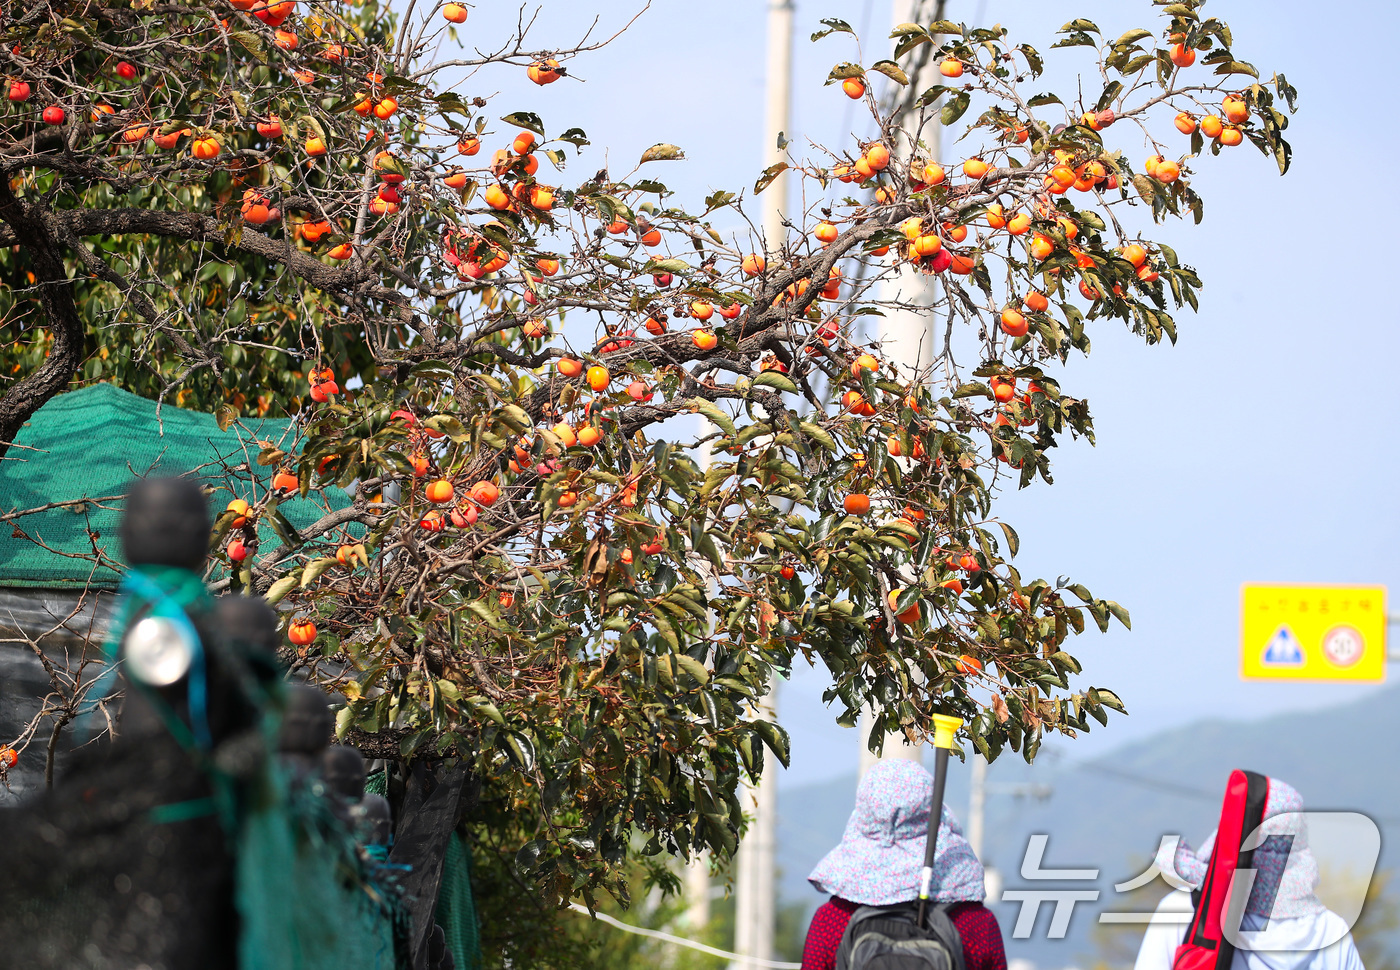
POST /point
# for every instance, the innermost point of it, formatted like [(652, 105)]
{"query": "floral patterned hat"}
[(1286, 870), (882, 853)]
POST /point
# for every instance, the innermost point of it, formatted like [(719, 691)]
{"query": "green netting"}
[(89, 444), (301, 906), (456, 911)]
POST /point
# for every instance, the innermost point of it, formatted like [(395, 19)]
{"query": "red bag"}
[(1205, 947)]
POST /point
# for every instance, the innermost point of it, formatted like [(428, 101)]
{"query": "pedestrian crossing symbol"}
[(1312, 632), (1283, 650)]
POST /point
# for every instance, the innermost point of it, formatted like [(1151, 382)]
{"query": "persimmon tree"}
[(552, 568)]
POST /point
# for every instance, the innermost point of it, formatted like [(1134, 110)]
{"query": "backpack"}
[(1205, 946), (889, 938)]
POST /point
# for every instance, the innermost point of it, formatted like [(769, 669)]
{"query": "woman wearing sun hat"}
[(879, 861), (1289, 927)]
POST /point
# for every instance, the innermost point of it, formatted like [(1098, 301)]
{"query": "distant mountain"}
[(1110, 813)]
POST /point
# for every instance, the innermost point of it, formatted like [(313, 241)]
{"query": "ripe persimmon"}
[(975, 168), (704, 339), (1211, 126), (857, 503), (454, 13), (752, 264), (301, 632), (1236, 109), (569, 367), (877, 156), (853, 87), (1185, 122), (544, 71), (1013, 322), (825, 232), (951, 67), (598, 377), (1230, 135), (484, 494), (439, 491), (1036, 301), (588, 436), (968, 664), (565, 433), (910, 614), (1182, 56)]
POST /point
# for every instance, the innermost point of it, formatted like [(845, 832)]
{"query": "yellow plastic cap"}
[(944, 727)]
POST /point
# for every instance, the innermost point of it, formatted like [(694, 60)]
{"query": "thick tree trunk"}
[(26, 222)]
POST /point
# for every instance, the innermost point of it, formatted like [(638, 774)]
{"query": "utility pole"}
[(755, 886), (906, 335)]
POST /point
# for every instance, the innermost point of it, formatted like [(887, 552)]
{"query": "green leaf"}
[(448, 425), (818, 434), (1132, 36), (771, 378), (666, 629), (1013, 541), (315, 568), (527, 120), (278, 590), (1109, 699), (1044, 99), (224, 416), (665, 266), (1237, 67), (662, 153), (715, 413), (891, 70), (843, 71), (775, 738), (769, 174), (1080, 23), (250, 43), (833, 26), (693, 667), (480, 705), (955, 107), (932, 95)]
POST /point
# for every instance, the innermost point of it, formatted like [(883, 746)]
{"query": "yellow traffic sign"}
[(1312, 633)]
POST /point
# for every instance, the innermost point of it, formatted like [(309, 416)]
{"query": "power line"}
[(682, 941)]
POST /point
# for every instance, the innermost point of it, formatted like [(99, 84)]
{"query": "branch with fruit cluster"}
[(539, 573)]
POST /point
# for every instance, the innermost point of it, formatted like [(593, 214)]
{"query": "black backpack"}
[(889, 938)]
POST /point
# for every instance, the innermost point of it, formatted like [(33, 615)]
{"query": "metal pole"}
[(977, 804), (945, 726), (755, 885)]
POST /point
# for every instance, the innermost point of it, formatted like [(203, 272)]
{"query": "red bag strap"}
[(1240, 814)]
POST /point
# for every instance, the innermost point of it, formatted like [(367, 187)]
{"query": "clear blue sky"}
[(1257, 449)]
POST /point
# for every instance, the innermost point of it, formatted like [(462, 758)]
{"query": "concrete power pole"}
[(755, 888), (906, 337)]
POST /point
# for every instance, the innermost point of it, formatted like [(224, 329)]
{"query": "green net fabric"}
[(456, 911), (86, 444), (302, 902)]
